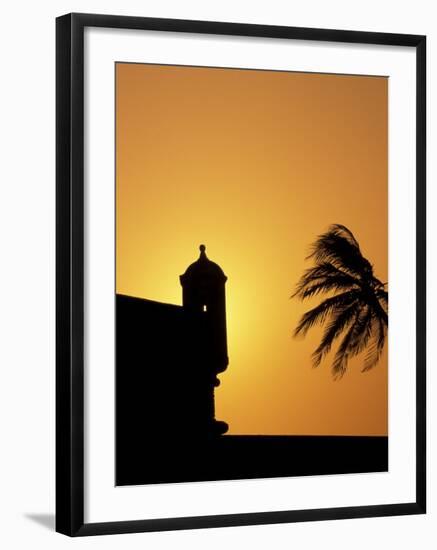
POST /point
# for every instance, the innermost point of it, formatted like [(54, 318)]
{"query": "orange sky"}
[(255, 164)]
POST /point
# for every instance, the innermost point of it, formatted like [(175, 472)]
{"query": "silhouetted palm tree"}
[(359, 304)]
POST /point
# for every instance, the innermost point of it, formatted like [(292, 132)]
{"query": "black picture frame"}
[(70, 273)]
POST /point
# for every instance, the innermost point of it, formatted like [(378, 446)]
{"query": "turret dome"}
[(203, 269)]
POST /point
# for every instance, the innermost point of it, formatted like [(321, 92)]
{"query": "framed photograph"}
[(235, 205)]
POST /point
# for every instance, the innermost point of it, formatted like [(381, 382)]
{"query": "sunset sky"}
[(255, 164)]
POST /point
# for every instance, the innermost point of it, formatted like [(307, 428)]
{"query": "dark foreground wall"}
[(163, 408), (163, 385), (248, 457)]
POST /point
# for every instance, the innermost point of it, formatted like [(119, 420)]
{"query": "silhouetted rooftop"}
[(203, 268)]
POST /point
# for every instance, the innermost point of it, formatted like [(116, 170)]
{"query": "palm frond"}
[(359, 309), (379, 309), (339, 247), (340, 359), (340, 320), (362, 332), (376, 347), (355, 341), (344, 232), (320, 312), (322, 278), (382, 296)]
